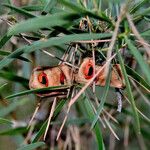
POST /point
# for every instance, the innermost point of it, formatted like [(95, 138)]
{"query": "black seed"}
[(43, 80), (90, 71)]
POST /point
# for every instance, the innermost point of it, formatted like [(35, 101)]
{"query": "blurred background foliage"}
[(29, 26)]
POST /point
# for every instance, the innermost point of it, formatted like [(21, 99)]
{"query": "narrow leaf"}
[(1, 87), (6, 53), (138, 78), (5, 121), (146, 33), (3, 40), (33, 7), (11, 107), (96, 129), (12, 77), (14, 131), (138, 5), (48, 89), (83, 11), (137, 17), (58, 19), (129, 91), (19, 10), (40, 133), (50, 5), (32, 146), (103, 99), (143, 65)]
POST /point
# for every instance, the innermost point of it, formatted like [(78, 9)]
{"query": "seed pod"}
[(86, 72), (43, 77)]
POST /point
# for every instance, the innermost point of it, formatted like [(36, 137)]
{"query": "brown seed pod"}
[(86, 72), (43, 77)]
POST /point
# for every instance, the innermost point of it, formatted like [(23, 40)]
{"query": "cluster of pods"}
[(63, 74)]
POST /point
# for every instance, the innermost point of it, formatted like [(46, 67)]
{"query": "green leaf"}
[(40, 132), (138, 5), (143, 65), (41, 7), (83, 11), (51, 42), (59, 107), (2, 86), (32, 146), (129, 91), (30, 25), (33, 7), (145, 133), (140, 15), (89, 111), (146, 33), (48, 89), (12, 77), (147, 18), (14, 131), (6, 53), (3, 40), (50, 5), (103, 99), (11, 107), (19, 10), (138, 78), (5, 121)]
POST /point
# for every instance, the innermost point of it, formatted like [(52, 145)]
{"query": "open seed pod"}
[(43, 77), (86, 72)]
